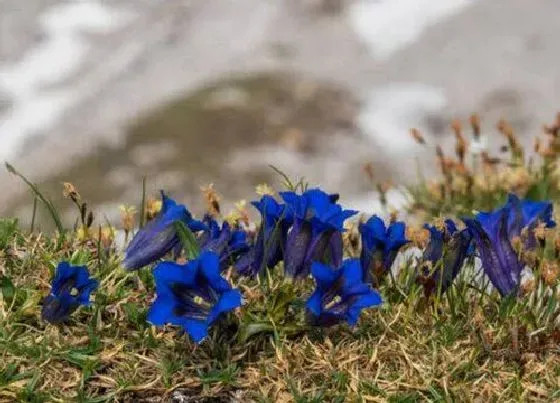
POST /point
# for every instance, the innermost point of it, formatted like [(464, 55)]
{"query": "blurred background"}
[(189, 92)]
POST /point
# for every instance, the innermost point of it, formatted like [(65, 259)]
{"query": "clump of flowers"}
[(316, 234), (496, 233)]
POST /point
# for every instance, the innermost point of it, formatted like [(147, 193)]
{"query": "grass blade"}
[(49, 204)]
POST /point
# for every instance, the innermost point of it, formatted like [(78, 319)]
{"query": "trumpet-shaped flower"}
[(159, 236), (380, 246), (71, 287), (268, 249), (446, 252), (340, 294), (192, 296), (316, 233), (227, 242), (493, 233)]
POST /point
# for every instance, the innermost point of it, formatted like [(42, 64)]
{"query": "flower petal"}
[(227, 302)]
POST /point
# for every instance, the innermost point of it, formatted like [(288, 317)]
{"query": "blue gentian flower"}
[(227, 242), (446, 251), (527, 214), (159, 236), (340, 294), (71, 287), (494, 232), (316, 233), (434, 249), (192, 296), (380, 246), (268, 249)]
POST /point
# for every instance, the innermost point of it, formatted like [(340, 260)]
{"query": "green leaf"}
[(188, 240), (255, 328), (8, 289), (538, 191)]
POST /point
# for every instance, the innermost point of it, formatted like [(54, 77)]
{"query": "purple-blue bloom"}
[(316, 232), (192, 296), (227, 242), (159, 236), (380, 246), (449, 246), (268, 249), (494, 231), (340, 294), (71, 287)]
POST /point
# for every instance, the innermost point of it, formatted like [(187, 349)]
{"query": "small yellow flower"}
[(83, 233), (241, 207), (127, 217), (212, 199), (264, 189), (106, 236), (153, 207)]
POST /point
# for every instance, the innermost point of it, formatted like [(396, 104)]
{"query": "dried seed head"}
[(153, 207), (475, 124), (439, 151), (70, 192), (106, 236), (89, 221), (516, 180), (418, 236), (460, 148), (527, 287), (517, 244), (550, 272), (457, 128), (436, 191), (242, 213), (212, 199), (393, 216), (541, 231), (368, 170), (417, 136), (530, 258), (490, 161), (384, 187), (537, 145), (127, 217), (557, 245)]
